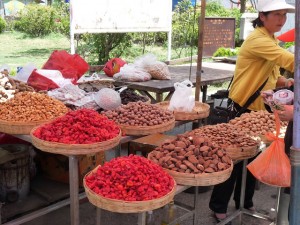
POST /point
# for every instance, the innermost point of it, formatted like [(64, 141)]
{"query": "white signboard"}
[(116, 16)]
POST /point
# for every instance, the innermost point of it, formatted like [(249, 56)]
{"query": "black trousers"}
[(221, 194)]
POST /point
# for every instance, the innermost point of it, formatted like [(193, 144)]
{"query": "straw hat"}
[(272, 5)]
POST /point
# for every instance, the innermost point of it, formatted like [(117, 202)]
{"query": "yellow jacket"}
[(259, 57)]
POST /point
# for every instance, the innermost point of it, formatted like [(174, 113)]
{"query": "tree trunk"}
[(243, 6)]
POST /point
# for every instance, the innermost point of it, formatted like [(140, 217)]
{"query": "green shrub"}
[(223, 52), (97, 49), (36, 20), (62, 18), (2, 25)]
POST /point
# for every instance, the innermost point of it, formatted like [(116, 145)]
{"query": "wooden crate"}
[(56, 167)]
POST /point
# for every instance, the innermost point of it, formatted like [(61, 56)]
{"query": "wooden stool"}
[(148, 143)]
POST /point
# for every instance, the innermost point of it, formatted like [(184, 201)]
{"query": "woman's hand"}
[(287, 113)]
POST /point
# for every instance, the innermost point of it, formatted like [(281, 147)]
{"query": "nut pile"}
[(31, 106), (20, 86), (257, 123), (7, 90), (139, 114), (191, 154), (225, 135), (9, 87), (129, 95)]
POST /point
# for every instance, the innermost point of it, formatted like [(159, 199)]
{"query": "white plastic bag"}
[(25, 72), (131, 72), (182, 99), (158, 70), (56, 76)]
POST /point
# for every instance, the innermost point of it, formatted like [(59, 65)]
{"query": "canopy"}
[(288, 36)]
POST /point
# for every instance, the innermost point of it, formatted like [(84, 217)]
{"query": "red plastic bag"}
[(113, 66), (273, 166), (40, 82), (71, 66)]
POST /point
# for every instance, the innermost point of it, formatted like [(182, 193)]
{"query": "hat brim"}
[(279, 6)]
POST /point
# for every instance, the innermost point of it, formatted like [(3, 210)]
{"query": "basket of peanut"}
[(200, 111), (26, 110), (144, 185), (193, 160), (78, 132), (257, 124), (140, 118)]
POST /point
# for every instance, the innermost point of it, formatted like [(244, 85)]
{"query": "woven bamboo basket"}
[(204, 179), (147, 130), (200, 111), (16, 127), (74, 149), (120, 206), (240, 153)]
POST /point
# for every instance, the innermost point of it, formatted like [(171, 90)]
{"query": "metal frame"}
[(242, 210), (190, 210)]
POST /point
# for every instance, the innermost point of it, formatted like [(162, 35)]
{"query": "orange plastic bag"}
[(273, 166)]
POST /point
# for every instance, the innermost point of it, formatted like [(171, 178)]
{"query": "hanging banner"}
[(106, 16)]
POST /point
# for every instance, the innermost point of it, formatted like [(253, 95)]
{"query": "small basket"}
[(240, 153), (121, 206), (74, 149), (147, 130), (16, 127), (200, 111), (204, 179)]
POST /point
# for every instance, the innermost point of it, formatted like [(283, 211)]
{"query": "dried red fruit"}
[(130, 178)]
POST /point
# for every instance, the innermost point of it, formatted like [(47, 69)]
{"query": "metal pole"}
[(200, 50), (71, 28), (294, 218)]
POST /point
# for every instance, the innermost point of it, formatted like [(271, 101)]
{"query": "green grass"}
[(18, 50)]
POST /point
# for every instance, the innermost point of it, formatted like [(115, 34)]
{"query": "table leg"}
[(243, 187), (74, 189), (142, 218), (159, 97), (196, 206), (204, 93), (98, 216)]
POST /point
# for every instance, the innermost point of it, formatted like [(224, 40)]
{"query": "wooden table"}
[(179, 73)]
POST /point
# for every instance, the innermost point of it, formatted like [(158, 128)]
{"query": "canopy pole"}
[(200, 50), (294, 215), (72, 42)]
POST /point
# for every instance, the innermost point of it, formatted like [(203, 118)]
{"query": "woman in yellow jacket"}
[(259, 60)]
